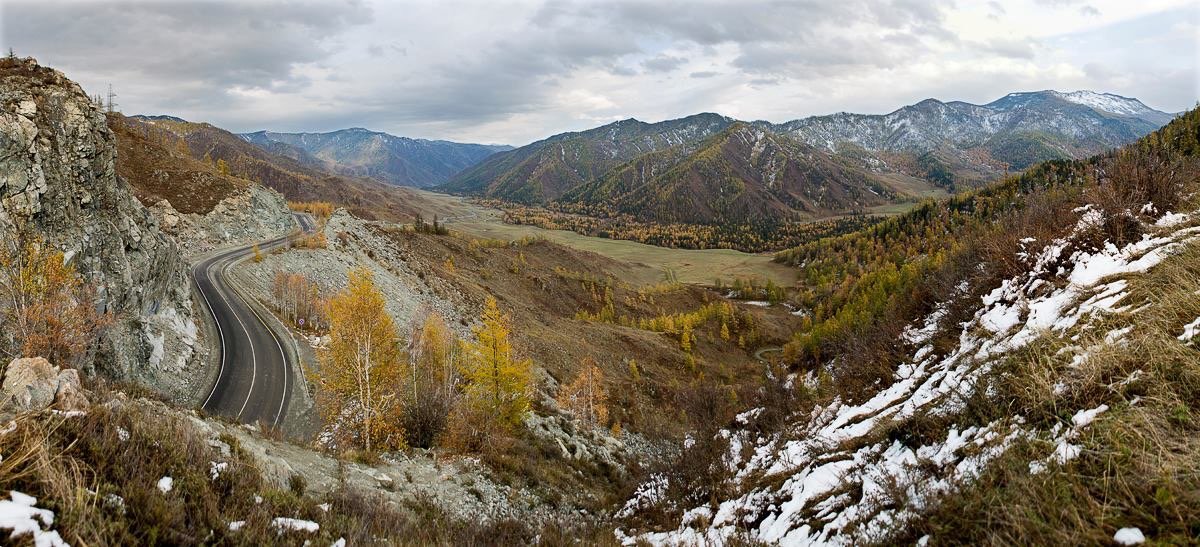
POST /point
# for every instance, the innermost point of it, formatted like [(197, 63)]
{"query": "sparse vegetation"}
[(98, 473), (586, 397), (298, 301), (322, 210), (46, 309), (315, 240)]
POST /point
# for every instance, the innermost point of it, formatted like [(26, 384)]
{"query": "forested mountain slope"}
[(544, 170), (1012, 366), (740, 175), (289, 171), (363, 153), (630, 178)]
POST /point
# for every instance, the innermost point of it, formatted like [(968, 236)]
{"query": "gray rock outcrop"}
[(32, 383), (58, 183), (253, 214)]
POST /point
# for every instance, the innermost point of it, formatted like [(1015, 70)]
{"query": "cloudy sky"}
[(512, 72)]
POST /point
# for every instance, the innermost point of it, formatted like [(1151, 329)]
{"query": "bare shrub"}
[(1132, 179)]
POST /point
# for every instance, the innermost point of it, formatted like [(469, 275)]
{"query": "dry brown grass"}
[(1139, 461), (158, 166), (72, 464), (315, 240), (320, 209)]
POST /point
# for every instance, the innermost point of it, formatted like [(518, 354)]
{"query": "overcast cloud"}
[(517, 71)]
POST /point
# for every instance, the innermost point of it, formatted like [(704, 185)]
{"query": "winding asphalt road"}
[(256, 374)]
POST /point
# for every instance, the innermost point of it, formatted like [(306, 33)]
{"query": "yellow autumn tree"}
[(687, 338), (222, 167), (433, 357), (586, 397), (496, 382), (362, 370), (46, 308)]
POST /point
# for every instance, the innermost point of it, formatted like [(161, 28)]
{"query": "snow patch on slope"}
[(1105, 102), (841, 472), (21, 515)]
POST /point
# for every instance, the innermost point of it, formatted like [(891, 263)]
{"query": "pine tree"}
[(222, 167), (496, 382)]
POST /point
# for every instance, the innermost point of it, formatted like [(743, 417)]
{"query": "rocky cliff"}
[(250, 215), (58, 182)]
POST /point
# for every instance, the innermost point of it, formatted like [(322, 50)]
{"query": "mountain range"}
[(711, 169), (284, 168), (363, 153)]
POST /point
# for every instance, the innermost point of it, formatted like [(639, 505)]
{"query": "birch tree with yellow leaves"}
[(362, 371), (586, 397), (497, 384)]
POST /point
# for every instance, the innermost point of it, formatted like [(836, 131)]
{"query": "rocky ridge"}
[(58, 182), (250, 215)]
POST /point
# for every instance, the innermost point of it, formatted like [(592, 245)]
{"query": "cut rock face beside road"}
[(251, 215), (58, 182)]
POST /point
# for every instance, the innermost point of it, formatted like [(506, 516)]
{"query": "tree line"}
[(761, 236)]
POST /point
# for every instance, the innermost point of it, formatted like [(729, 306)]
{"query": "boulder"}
[(32, 383), (29, 383), (70, 395)]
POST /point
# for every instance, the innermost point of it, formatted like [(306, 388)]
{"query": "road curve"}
[(256, 373)]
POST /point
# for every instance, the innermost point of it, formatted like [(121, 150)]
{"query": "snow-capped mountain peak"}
[(1105, 102)]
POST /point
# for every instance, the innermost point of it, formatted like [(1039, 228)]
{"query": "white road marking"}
[(253, 356), (220, 331)]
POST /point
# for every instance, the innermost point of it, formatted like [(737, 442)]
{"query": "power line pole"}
[(112, 105)]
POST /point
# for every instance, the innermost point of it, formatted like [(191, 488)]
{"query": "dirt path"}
[(760, 353)]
